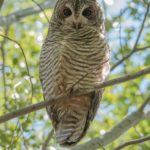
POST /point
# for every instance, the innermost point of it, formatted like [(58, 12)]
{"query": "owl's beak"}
[(77, 22), (77, 25)]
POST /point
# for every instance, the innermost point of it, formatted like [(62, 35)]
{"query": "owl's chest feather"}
[(80, 58), (73, 59), (83, 46)]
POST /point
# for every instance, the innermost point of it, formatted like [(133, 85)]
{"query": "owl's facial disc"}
[(78, 18)]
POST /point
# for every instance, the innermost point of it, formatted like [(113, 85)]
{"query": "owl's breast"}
[(84, 59), (73, 60)]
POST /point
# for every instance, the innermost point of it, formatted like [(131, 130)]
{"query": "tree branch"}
[(18, 15), (124, 78), (142, 48), (41, 105), (136, 42), (128, 122), (137, 141)]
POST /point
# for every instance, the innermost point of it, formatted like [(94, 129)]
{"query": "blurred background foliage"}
[(123, 21)]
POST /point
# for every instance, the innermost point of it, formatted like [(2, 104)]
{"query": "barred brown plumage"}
[(74, 57)]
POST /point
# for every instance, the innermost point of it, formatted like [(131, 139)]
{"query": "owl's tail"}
[(74, 118)]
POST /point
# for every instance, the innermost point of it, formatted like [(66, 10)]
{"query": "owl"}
[(75, 58)]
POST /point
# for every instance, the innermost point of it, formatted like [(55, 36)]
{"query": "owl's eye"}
[(88, 12), (67, 12)]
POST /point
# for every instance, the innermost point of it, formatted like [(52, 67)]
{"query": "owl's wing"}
[(96, 98), (44, 65)]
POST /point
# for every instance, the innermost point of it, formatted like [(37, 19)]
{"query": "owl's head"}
[(78, 13)]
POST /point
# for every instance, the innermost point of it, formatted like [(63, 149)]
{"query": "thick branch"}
[(136, 42), (115, 132), (18, 15), (41, 105), (137, 141)]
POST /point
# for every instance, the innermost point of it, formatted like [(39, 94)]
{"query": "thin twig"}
[(26, 63), (45, 144), (143, 48), (3, 64), (136, 42), (24, 140), (137, 141), (120, 38), (18, 125), (13, 136), (43, 104), (121, 14), (42, 9)]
